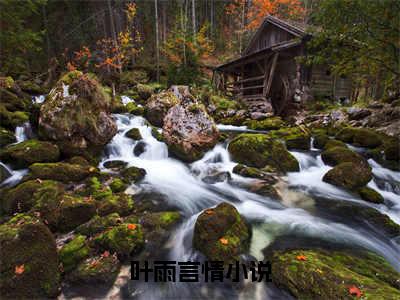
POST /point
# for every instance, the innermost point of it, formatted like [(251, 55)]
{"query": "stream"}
[(184, 187)]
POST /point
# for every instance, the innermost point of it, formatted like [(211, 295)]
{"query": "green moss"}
[(221, 233), (145, 90), (29, 152), (6, 137), (119, 203), (157, 135), (69, 77), (98, 224), (102, 269), (348, 175), (328, 275), (257, 150), (74, 252), (22, 197), (134, 109), (360, 137), (61, 171), (117, 185), (10, 119), (75, 211), (26, 241), (249, 172), (266, 124), (320, 140), (334, 143), (222, 103), (133, 174), (134, 134), (336, 155), (121, 239), (370, 195)]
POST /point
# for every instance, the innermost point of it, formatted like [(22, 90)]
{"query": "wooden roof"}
[(295, 30)]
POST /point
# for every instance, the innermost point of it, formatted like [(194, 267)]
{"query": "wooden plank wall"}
[(271, 35)]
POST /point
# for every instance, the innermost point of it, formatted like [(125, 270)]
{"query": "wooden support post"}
[(267, 84)]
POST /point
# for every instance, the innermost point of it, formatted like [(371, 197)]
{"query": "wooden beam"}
[(250, 87), (249, 79), (267, 87)]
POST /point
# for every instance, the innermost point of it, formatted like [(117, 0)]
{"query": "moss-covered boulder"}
[(257, 150), (318, 274), (145, 91), (76, 114), (117, 185), (115, 203), (22, 197), (72, 253), (134, 134), (11, 119), (115, 164), (336, 155), (101, 269), (29, 152), (98, 224), (75, 211), (6, 137), (299, 141), (158, 105), (320, 140), (348, 175), (360, 137), (245, 171), (133, 174), (4, 173), (391, 149), (160, 220), (29, 262), (61, 171), (124, 239), (332, 143), (13, 101), (370, 195), (266, 124), (135, 109), (221, 233)]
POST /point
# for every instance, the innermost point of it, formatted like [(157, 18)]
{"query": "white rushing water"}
[(184, 187)]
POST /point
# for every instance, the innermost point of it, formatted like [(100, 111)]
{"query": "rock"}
[(391, 149), (72, 253), (117, 185), (6, 137), (258, 115), (102, 269), (115, 203), (189, 131), (29, 261), (135, 109), (78, 160), (29, 152), (76, 114), (257, 150), (115, 164), (221, 234), (134, 134), (216, 176), (10, 120), (140, 148), (320, 140), (266, 189), (23, 197), (266, 124), (370, 195), (336, 155), (4, 173), (360, 137), (157, 135), (124, 239), (133, 174), (61, 171), (98, 224), (334, 143), (158, 106), (348, 175), (358, 113), (329, 274), (254, 173), (145, 91), (298, 141)]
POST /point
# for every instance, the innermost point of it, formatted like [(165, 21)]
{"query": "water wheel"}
[(281, 93)]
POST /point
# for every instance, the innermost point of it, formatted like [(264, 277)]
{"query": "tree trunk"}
[(157, 41), (113, 32), (194, 20)]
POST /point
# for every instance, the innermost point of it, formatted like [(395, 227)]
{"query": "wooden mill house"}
[(268, 70)]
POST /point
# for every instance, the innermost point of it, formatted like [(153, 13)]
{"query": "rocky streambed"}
[(321, 203)]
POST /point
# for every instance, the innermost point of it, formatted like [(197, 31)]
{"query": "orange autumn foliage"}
[(132, 226), (19, 269), (301, 257), (355, 291), (223, 241)]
